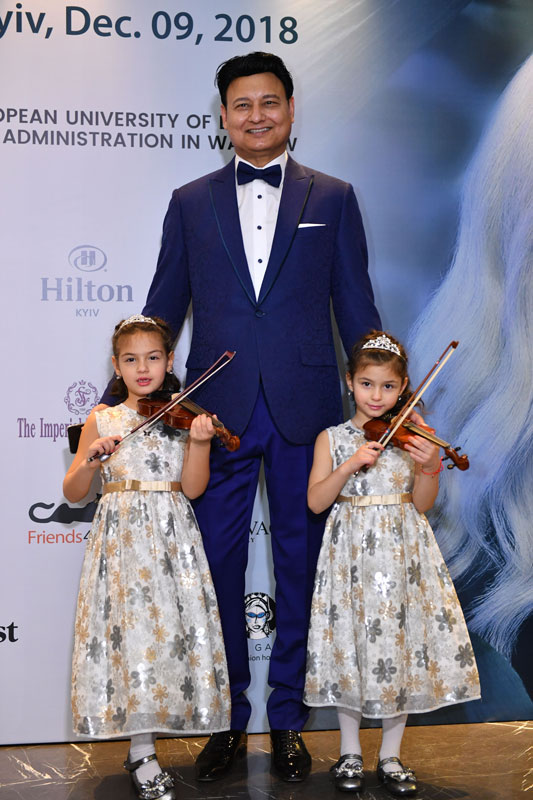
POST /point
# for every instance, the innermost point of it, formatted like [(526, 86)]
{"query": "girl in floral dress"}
[(148, 650), (387, 635)]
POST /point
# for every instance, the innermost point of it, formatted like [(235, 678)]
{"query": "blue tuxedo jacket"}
[(283, 338)]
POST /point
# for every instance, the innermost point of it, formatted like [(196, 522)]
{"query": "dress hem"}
[(158, 732), (391, 716)]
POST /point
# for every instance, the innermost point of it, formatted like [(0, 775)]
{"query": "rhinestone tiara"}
[(137, 318), (382, 343)]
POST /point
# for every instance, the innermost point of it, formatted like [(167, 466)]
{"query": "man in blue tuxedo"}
[(261, 247)]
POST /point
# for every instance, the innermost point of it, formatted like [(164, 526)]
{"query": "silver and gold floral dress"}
[(387, 634), (148, 648)]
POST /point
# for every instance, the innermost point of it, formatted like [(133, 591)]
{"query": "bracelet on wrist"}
[(440, 468)]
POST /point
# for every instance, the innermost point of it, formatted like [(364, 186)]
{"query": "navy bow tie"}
[(247, 173)]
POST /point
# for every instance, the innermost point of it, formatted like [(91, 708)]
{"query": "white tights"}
[(392, 739), (349, 723), (142, 745)]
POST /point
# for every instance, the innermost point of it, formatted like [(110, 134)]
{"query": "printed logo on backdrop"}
[(61, 513), (86, 294), (87, 258), (260, 615), (81, 396), (7, 633), (257, 529)]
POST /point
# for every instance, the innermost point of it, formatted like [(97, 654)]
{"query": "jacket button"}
[(259, 313)]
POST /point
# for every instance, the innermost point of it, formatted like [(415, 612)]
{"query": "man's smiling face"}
[(258, 117)]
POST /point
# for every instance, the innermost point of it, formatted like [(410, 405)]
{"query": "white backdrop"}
[(106, 107)]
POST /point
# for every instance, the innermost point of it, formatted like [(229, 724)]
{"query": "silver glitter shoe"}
[(162, 786), (401, 782), (348, 773)]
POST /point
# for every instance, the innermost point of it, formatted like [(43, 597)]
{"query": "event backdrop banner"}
[(105, 107)]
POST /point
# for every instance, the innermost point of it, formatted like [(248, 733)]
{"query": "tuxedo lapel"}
[(296, 187), (224, 203)]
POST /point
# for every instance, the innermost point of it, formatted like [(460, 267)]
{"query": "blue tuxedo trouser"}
[(224, 514)]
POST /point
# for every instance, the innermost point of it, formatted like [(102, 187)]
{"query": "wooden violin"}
[(181, 416), (165, 408), (375, 429), (384, 432)]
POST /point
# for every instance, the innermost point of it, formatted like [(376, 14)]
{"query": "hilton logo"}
[(85, 258)]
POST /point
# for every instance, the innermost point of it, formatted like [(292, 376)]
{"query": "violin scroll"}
[(230, 440), (459, 461)]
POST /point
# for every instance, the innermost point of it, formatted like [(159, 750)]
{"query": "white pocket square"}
[(312, 225)]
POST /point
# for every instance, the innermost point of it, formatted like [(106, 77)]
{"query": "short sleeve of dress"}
[(99, 423), (331, 439)]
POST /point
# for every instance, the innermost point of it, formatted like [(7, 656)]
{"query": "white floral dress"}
[(387, 634), (148, 648)]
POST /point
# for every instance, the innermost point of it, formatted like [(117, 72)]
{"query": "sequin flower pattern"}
[(387, 635), (148, 629)]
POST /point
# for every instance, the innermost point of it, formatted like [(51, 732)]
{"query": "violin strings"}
[(411, 403)]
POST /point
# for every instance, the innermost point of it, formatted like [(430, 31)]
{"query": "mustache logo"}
[(65, 513)]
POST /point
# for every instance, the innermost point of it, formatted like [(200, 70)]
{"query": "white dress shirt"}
[(258, 213)]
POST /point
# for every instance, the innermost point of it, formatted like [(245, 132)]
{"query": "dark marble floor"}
[(491, 761)]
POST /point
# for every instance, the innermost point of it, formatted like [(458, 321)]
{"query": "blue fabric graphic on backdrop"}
[(393, 98)]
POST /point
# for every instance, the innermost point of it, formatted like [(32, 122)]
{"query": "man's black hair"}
[(252, 64)]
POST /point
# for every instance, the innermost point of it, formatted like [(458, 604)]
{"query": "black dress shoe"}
[(348, 773), (290, 758), (401, 782), (217, 756)]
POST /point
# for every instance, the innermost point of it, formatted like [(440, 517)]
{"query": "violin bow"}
[(146, 424), (417, 394)]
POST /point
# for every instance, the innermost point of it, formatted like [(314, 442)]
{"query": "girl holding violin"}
[(148, 650), (387, 636)]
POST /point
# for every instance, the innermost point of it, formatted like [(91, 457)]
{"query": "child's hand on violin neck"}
[(423, 452), (107, 444), (202, 429)]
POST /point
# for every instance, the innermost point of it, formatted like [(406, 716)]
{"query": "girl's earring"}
[(350, 394)]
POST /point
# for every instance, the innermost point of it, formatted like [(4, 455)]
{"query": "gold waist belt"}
[(141, 486), (376, 499)]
